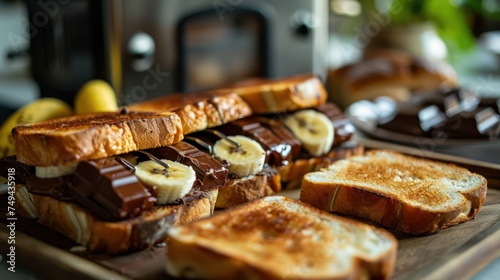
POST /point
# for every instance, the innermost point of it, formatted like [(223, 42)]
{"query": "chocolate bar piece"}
[(455, 114), (21, 172), (110, 190), (342, 126), (462, 125), (280, 130), (278, 152), (54, 187), (407, 122), (210, 172)]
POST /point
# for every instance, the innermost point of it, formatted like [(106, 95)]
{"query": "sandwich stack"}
[(117, 182)]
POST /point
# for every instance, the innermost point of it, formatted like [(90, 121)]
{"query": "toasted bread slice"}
[(409, 194), (389, 73), (92, 136), (279, 238), (280, 95), (198, 111), (80, 225)]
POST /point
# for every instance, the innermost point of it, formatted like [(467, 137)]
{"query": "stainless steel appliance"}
[(150, 48)]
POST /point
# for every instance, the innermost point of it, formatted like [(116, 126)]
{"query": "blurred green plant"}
[(449, 19)]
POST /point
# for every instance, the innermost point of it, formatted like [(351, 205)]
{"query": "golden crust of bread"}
[(92, 136), (198, 111), (198, 116), (405, 193), (279, 238), (387, 73), (280, 95), (423, 74), (231, 107), (135, 234)]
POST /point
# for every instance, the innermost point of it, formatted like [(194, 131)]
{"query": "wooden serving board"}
[(456, 252)]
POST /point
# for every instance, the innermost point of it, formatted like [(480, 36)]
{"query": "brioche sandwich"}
[(412, 195), (279, 238), (95, 178), (288, 154), (93, 198), (300, 142)]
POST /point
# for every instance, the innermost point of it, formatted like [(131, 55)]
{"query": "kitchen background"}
[(52, 47), (68, 48), (467, 36), (352, 24)]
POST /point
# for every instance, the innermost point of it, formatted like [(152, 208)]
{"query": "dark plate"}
[(437, 134), (371, 129)]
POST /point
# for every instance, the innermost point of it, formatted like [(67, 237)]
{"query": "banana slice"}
[(245, 160), (314, 129), (55, 171), (24, 198), (172, 184)]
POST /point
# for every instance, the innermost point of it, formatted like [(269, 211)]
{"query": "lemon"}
[(95, 96)]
